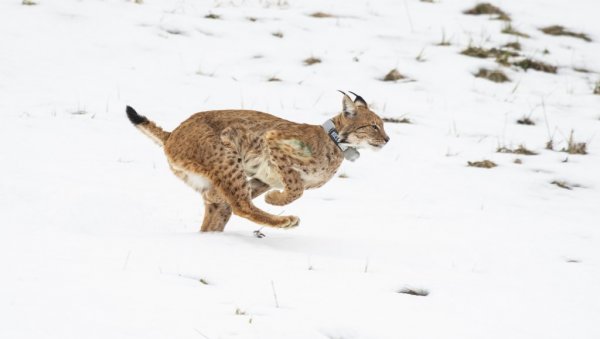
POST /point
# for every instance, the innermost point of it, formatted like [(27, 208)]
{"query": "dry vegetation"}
[(273, 79), (564, 184), (558, 30), (322, 15), (514, 45), (492, 75), (519, 150), (482, 164), (527, 63), (414, 291), (277, 34), (509, 29), (525, 121), (29, 3), (212, 16), (488, 9), (397, 120), (575, 147), (393, 75), (597, 88), (311, 61)]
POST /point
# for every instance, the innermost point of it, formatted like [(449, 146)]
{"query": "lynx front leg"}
[(282, 151), (293, 188)]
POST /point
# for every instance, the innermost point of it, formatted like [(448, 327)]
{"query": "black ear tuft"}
[(359, 101)]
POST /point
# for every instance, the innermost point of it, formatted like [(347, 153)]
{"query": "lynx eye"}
[(375, 127)]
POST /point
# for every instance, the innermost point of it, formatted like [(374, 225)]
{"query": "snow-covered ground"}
[(99, 240)]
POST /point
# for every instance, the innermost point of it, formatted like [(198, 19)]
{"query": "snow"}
[(99, 239)]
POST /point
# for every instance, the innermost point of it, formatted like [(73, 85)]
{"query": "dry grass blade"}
[(488, 9), (562, 184), (273, 79), (421, 292), (558, 30), (212, 16), (492, 75), (393, 75), (482, 164)]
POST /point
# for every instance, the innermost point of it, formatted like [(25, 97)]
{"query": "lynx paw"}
[(292, 221)]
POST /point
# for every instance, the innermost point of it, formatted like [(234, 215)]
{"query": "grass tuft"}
[(509, 29), (421, 292), (212, 16), (575, 147), (488, 9), (514, 45), (562, 184), (527, 63), (558, 30), (278, 34), (397, 120), (482, 164), (393, 75), (311, 61), (492, 75), (519, 150), (501, 55), (28, 3), (322, 15), (525, 121), (597, 88), (273, 79)]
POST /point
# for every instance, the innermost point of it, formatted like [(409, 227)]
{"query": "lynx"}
[(233, 156)]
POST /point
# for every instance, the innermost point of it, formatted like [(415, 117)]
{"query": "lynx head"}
[(358, 126)]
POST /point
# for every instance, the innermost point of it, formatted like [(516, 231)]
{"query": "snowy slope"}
[(99, 240)]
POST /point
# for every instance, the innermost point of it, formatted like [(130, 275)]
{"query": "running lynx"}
[(233, 156)]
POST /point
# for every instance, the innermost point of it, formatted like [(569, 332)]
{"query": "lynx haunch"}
[(233, 156)]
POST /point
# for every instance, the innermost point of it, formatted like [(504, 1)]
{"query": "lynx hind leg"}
[(216, 212), (232, 186)]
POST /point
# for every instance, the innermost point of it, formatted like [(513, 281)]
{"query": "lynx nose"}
[(386, 138)]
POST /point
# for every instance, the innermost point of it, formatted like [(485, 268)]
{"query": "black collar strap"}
[(350, 153)]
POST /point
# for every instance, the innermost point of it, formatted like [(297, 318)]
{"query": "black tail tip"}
[(134, 117)]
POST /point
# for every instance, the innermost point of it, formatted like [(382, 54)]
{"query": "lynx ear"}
[(359, 101), (348, 106)]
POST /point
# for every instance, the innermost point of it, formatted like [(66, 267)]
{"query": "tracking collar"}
[(350, 153)]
